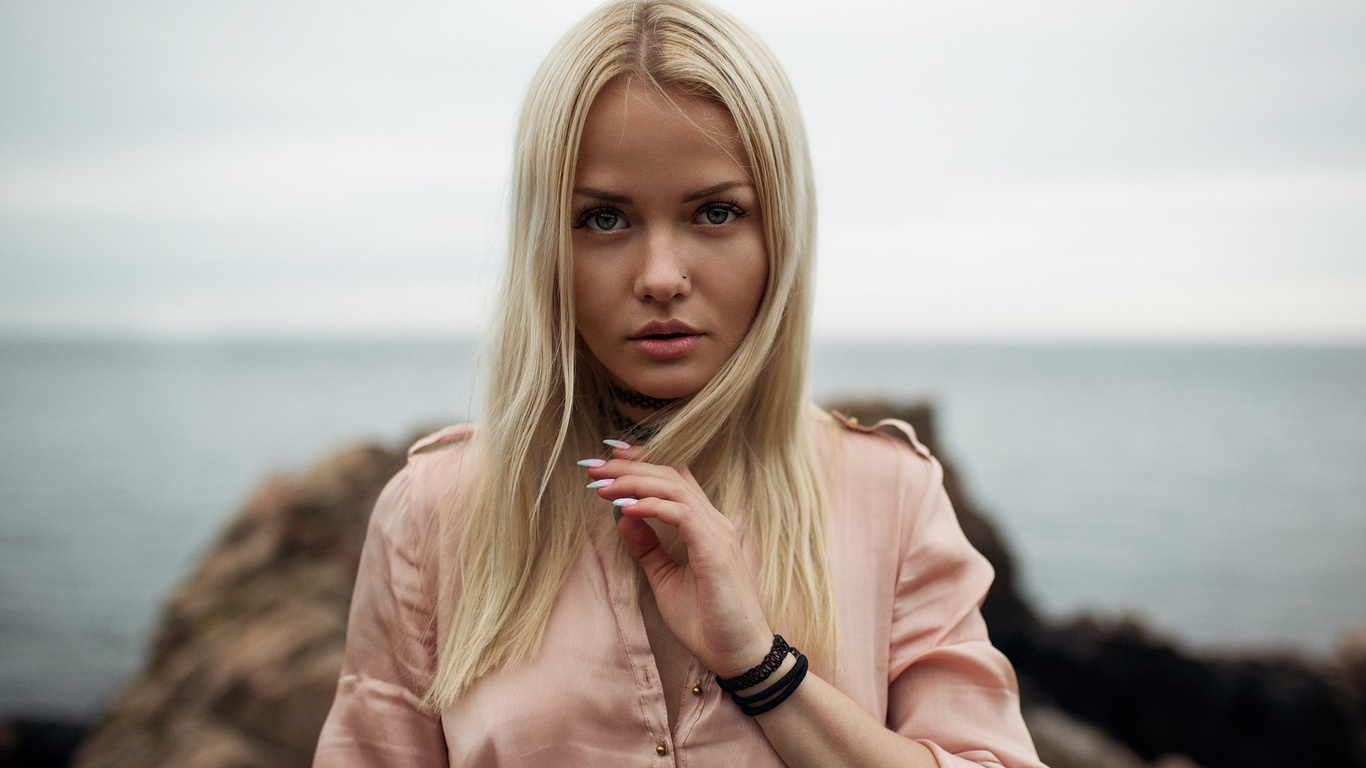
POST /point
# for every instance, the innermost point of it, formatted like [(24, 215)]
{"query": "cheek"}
[(582, 296), (591, 304), (753, 280), (744, 292), (583, 304)]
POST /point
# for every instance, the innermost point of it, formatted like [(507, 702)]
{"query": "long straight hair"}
[(515, 524)]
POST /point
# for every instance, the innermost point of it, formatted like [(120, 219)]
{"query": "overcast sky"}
[(1143, 169)]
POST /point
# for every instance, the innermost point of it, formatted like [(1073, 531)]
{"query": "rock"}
[(1230, 710), (1349, 667), (30, 742), (1220, 712), (1064, 741), (244, 665)]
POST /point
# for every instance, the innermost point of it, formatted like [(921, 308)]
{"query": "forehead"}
[(635, 128)]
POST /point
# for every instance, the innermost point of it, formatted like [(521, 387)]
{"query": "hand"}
[(709, 602)]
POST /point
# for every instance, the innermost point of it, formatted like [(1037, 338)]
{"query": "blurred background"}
[(1120, 246)]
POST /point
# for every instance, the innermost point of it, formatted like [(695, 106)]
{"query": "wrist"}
[(754, 666), (789, 661), (764, 697), (748, 660)]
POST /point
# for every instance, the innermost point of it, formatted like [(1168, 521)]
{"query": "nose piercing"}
[(685, 277)]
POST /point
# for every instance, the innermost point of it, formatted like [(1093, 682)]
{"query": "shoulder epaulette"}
[(906, 430), (453, 435)]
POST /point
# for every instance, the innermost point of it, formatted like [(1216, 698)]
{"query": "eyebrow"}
[(715, 190), (701, 194)]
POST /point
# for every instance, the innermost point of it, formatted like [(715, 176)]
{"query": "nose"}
[(661, 273)]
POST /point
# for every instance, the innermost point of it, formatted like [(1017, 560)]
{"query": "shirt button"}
[(661, 750), (697, 689)]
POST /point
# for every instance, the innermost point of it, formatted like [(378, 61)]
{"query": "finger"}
[(637, 535), (641, 486), (620, 450), (643, 544), (624, 450), (615, 468), (669, 512), (703, 534)]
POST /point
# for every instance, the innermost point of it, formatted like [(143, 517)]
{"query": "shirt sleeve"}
[(949, 687), (378, 717)]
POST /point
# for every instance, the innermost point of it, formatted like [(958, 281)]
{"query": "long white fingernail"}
[(601, 483), (625, 501), (591, 463), (617, 444)]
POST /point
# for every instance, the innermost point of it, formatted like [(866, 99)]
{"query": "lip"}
[(663, 340), (665, 327)]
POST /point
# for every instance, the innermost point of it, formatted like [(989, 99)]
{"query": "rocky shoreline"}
[(245, 658), (1109, 693)]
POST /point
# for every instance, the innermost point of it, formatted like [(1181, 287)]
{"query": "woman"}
[(658, 296)]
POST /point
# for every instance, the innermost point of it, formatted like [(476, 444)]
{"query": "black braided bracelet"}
[(745, 701), (783, 688), (759, 672)]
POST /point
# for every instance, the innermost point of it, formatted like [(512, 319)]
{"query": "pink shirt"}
[(913, 647)]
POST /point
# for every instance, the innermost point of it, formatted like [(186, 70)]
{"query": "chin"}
[(668, 387)]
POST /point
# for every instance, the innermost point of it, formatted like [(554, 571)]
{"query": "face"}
[(663, 191)]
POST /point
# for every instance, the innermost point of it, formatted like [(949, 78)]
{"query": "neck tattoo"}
[(633, 398), (635, 433)]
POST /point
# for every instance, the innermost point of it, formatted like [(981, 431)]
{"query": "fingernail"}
[(592, 463), (617, 444), (601, 483), (625, 502)]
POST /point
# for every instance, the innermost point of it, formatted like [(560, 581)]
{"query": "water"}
[(1217, 492), (120, 462)]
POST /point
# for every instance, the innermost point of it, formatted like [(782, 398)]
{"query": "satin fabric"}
[(913, 647)]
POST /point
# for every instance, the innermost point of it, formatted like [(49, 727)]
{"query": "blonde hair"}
[(517, 522)]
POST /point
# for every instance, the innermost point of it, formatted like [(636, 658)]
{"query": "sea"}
[(1216, 493)]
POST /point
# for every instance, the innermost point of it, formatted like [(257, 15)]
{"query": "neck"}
[(633, 399), (631, 411)]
